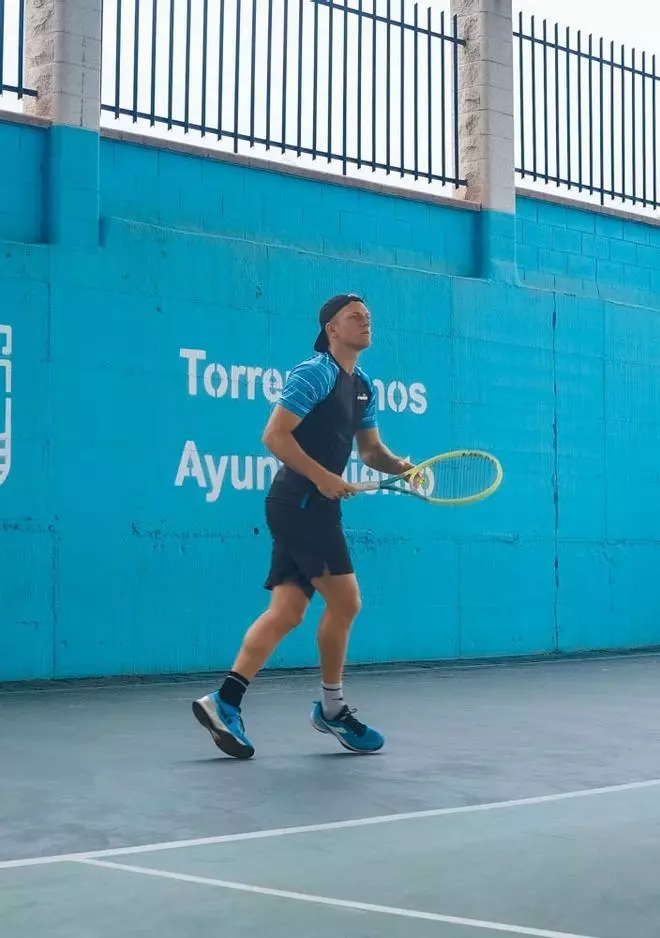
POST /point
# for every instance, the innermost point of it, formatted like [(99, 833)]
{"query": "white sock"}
[(333, 700)]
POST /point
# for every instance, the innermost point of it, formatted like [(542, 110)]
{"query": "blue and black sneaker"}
[(350, 732), (225, 724)]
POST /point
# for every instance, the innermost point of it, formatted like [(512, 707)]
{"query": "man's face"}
[(351, 327)]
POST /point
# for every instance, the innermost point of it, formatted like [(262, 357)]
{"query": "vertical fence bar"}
[(221, 66), (634, 133), (359, 85), (416, 72), (237, 74), (205, 44), (374, 88), (545, 100), (521, 79), (170, 77), (654, 125), (300, 73), (345, 90), (388, 90), (269, 72), (591, 115), (623, 123), (429, 89), (557, 125), (330, 58), (285, 72), (253, 71), (2, 44), (21, 46), (602, 123), (136, 58), (154, 38), (315, 83), (579, 93), (443, 96), (456, 141), (644, 189), (612, 117), (402, 101), (534, 140), (568, 107), (117, 60), (186, 113)]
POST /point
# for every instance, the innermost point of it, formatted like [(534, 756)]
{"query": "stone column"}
[(63, 64), (486, 128)]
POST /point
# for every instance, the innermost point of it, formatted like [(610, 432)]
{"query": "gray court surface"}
[(520, 799)]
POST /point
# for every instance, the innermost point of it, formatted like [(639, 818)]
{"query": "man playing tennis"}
[(327, 401)]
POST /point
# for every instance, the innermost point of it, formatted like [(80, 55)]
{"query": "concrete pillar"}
[(486, 128), (63, 64)]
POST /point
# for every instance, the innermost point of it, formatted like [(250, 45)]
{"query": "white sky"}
[(633, 22)]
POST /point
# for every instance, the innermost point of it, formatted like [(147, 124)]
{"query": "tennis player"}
[(327, 401)]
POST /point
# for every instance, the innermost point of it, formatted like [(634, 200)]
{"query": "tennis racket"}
[(459, 477)]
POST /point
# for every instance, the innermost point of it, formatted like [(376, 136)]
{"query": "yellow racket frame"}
[(411, 474)]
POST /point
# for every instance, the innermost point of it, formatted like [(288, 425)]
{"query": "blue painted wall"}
[(588, 254), (132, 536), (179, 191), (23, 151)]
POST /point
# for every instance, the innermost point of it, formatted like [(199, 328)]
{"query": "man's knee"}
[(290, 619), (345, 604), (288, 607)]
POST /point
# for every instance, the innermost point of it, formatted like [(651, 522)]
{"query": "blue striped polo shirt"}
[(333, 406)]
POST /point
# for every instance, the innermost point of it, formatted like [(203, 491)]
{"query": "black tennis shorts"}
[(307, 543)]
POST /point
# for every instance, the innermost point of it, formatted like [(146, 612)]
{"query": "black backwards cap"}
[(328, 312)]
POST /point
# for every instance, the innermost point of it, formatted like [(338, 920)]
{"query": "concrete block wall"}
[(588, 253), (23, 150), (133, 536), (212, 196), (156, 299)]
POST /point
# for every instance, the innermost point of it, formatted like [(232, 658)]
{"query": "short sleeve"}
[(369, 418), (308, 384)]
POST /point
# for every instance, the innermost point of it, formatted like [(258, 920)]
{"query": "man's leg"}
[(342, 598), (286, 611), (220, 712), (331, 715)]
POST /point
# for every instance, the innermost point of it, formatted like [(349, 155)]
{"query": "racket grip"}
[(366, 486)]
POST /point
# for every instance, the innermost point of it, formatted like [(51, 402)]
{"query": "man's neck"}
[(345, 357)]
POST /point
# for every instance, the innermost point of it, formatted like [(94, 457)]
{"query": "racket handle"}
[(366, 486)]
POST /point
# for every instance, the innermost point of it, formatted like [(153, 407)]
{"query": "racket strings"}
[(460, 477)]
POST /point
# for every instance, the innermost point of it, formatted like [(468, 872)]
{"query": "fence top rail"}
[(587, 53), (400, 23), (15, 89)]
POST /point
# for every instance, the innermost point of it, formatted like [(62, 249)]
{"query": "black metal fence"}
[(365, 85), (587, 114), (368, 86), (12, 48)]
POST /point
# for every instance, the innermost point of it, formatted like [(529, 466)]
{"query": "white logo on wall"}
[(5, 402), (250, 383)]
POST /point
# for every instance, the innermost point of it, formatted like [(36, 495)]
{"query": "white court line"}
[(338, 903), (330, 826)]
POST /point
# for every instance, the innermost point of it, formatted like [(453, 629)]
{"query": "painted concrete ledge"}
[(14, 117), (583, 206), (191, 149)]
